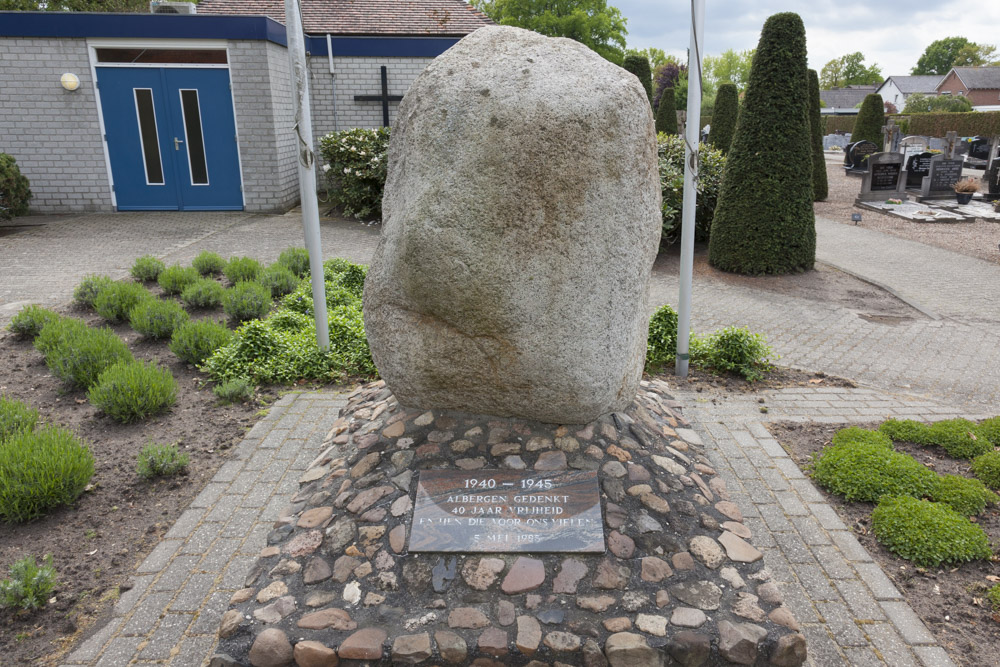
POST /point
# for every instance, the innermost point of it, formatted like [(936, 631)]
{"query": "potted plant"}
[(965, 188)]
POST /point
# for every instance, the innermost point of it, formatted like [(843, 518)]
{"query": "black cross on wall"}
[(384, 98)]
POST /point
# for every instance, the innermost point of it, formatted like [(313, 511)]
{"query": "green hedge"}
[(976, 123), (833, 124)]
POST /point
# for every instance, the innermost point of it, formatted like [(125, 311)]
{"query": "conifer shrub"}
[(15, 190), (156, 318), (78, 354), (871, 118), (237, 390), (15, 417), (820, 185), (115, 301), (661, 343), (247, 301), (987, 468), (208, 263), (724, 117), (865, 470), (194, 342), (203, 293), (968, 497), (927, 533), (278, 279), (88, 289), (40, 470), (29, 584), (174, 279), (147, 269), (242, 269), (295, 260), (30, 320), (735, 350), (639, 66), (133, 390), (160, 461), (764, 222), (666, 113)]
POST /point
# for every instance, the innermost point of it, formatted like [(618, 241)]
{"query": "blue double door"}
[(171, 138)]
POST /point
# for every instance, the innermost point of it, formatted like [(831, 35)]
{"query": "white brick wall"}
[(53, 134)]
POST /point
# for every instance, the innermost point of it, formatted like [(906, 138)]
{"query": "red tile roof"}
[(365, 17)]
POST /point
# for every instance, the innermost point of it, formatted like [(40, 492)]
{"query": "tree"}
[(940, 56), (666, 112), (667, 76), (820, 185), (724, 116), (871, 118), (729, 67), (917, 103), (976, 55), (639, 65), (849, 70), (764, 221), (655, 56), (593, 23)]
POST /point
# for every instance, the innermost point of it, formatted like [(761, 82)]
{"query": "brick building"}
[(194, 112), (980, 84)]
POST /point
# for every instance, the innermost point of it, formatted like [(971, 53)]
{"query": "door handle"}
[(177, 143)]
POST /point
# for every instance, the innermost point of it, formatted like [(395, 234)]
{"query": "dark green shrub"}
[(867, 470), (278, 279), (987, 468), (990, 429), (41, 469), (904, 430), (242, 269), (666, 113), (174, 279), (194, 342), (160, 461), (203, 293), (959, 437), (927, 533), (81, 354), (133, 390), (116, 300), (727, 104), (237, 390), (357, 159), (295, 260), (966, 496), (736, 350), (871, 118), (30, 320), (661, 345), (155, 318), (764, 220), (15, 192), (639, 66), (208, 263), (711, 163), (29, 585), (88, 289), (820, 186), (247, 301), (15, 417), (856, 434), (147, 269)]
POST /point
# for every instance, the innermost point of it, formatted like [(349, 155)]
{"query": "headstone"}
[(941, 178), (917, 167), (884, 178), (856, 156), (521, 218), (993, 182)]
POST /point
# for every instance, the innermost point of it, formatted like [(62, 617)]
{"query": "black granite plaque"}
[(944, 174), (885, 176), (918, 167), (507, 511), (857, 155)]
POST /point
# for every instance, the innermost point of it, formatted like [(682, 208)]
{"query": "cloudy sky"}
[(891, 34)]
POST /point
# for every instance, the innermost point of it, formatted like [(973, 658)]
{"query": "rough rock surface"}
[(521, 219)]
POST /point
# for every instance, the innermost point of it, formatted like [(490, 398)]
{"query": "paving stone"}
[(910, 627), (840, 623)]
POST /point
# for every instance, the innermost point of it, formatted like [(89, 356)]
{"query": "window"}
[(148, 136), (162, 56), (194, 137)]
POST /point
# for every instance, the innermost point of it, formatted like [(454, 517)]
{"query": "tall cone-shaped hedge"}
[(764, 220), (639, 65), (871, 118), (724, 117), (820, 186), (666, 113)]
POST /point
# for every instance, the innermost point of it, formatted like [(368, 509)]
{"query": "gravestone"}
[(856, 156), (917, 167), (941, 178), (993, 182), (884, 178), (521, 218)]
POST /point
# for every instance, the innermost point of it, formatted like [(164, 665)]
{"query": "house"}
[(844, 101), (109, 112), (980, 84), (896, 89)]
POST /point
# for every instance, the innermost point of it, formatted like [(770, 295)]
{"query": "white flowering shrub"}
[(355, 169)]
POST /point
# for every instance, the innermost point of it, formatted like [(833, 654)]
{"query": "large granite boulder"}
[(521, 221)]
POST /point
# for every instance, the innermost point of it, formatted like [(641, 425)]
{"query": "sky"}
[(892, 35)]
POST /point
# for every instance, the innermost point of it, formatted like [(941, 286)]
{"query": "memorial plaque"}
[(885, 176), (918, 166), (507, 511), (944, 174)]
